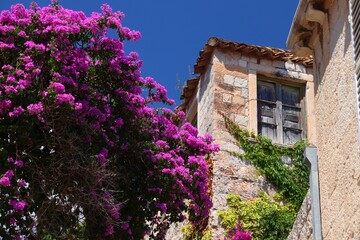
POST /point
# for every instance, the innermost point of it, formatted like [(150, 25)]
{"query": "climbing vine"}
[(264, 217), (292, 180)]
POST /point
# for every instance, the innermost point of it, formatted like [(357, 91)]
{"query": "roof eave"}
[(254, 50), (308, 17), (290, 42)]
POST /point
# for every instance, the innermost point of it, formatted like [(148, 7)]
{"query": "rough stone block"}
[(253, 60), (241, 120), (286, 160), (228, 79), (280, 72), (230, 147), (249, 59), (227, 59), (219, 201), (290, 66), (245, 58), (278, 64), (243, 63), (239, 101), (266, 62), (300, 68), (227, 98), (302, 228), (245, 92), (240, 82)]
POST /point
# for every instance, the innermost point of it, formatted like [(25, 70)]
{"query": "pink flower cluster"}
[(61, 69), (10, 182), (238, 233)]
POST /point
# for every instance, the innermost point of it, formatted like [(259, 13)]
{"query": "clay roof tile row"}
[(258, 51)]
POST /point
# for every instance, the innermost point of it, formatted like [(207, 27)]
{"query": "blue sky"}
[(174, 31)]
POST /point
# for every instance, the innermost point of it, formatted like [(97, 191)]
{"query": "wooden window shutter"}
[(355, 23), (267, 124), (291, 114)]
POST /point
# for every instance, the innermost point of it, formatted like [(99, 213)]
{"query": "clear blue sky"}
[(174, 31)]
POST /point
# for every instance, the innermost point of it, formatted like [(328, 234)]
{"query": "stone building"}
[(309, 93), (329, 30), (265, 90)]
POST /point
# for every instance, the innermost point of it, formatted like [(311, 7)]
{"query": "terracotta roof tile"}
[(188, 91), (189, 88), (259, 51)]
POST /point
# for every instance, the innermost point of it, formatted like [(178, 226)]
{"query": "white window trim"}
[(357, 66)]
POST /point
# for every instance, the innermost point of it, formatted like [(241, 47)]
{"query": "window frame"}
[(355, 36), (278, 113)]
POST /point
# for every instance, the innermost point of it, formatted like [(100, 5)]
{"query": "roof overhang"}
[(308, 19), (247, 49)]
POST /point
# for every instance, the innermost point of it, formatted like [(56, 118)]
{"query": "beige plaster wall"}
[(337, 131)]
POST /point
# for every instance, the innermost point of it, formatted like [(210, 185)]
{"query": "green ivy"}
[(268, 219), (292, 181)]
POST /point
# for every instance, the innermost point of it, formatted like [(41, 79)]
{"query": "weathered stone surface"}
[(174, 232), (240, 82), (290, 66), (227, 98), (233, 175), (266, 62), (249, 59), (242, 63), (229, 59), (302, 228), (245, 92), (278, 64), (241, 120), (228, 79), (300, 68)]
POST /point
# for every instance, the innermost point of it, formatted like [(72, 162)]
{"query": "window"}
[(355, 22), (280, 112)]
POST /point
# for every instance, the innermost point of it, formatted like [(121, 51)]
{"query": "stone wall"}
[(229, 86), (233, 79), (175, 231), (337, 130), (231, 174), (302, 228), (205, 109)]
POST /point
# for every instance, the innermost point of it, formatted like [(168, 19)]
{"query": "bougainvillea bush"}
[(238, 233), (80, 146)]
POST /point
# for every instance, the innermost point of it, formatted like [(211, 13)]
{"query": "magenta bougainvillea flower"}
[(79, 140), (238, 233)]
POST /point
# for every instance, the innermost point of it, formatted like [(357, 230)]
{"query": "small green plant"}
[(191, 233), (263, 217)]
